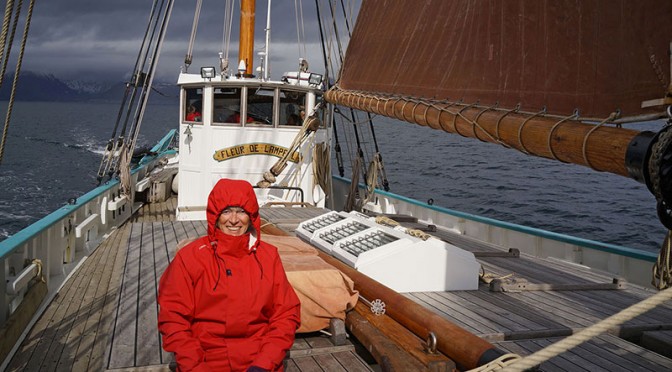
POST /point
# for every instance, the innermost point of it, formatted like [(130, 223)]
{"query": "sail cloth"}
[(595, 56)]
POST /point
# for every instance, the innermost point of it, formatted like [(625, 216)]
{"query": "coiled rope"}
[(322, 166)]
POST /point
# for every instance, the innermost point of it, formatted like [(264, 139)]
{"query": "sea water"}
[(53, 151)]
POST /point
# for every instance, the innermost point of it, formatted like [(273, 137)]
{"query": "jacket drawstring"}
[(254, 251)]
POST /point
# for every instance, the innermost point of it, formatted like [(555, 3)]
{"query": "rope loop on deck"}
[(418, 234), (387, 221), (498, 364)]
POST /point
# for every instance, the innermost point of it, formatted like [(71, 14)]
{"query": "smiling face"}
[(233, 221)]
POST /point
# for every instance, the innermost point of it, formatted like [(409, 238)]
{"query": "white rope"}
[(590, 332)]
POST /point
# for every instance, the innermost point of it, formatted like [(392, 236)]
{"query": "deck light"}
[(207, 72), (315, 79)]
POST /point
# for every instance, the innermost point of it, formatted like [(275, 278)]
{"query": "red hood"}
[(230, 193)]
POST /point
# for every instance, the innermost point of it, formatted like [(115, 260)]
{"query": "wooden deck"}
[(104, 317)]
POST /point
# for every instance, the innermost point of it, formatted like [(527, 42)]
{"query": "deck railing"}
[(50, 249)]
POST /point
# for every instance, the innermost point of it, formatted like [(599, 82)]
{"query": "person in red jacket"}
[(225, 302)]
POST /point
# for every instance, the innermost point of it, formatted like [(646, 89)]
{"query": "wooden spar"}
[(246, 48), (408, 341), (386, 352), (466, 349), (602, 149)]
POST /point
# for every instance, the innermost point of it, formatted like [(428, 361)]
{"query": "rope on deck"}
[(574, 340)]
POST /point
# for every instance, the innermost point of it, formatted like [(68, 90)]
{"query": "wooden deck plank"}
[(351, 362), (180, 233), (328, 362), (33, 352), (79, 345), (65, 318), (104, 321), (482, 309), (648, 360), (147, 345), (506, 303), (122, 353), (580, 356), (592, 305), (453, 313), (162, 233), (575, 360), (506, 317)]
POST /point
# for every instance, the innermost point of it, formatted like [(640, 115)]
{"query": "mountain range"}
[(33, 86)]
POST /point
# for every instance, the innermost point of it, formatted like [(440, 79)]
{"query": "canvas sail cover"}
[(593, 56)]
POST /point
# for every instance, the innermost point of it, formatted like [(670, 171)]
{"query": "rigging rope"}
[(17, 72), (148, 56), (9, 9), (194, 26), (226, 38), (116, 143)]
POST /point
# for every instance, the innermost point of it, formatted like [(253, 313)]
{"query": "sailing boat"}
[(500, 82)]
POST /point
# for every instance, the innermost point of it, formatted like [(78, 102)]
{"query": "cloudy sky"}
[(99, 40)]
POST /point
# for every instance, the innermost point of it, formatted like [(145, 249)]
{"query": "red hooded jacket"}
[(225, 302)]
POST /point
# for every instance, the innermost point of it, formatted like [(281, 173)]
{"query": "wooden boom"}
[(602, 148)]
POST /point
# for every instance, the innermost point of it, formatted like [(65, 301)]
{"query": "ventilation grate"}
[(343, 231), (319, 223), (367, 242)]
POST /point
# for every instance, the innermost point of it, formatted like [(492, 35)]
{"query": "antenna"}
[(268, 42)]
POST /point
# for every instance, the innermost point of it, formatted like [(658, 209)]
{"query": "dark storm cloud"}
[(92, 40)]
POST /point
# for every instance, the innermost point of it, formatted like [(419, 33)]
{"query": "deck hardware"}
[(513, 252), (430, 345), (519, 285), (377, 306)]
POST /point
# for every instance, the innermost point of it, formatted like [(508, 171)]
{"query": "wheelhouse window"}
[(226, 106), (260, 106), (292, 108), (193, 105)]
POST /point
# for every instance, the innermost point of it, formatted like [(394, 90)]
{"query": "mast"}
[(246, 48)]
